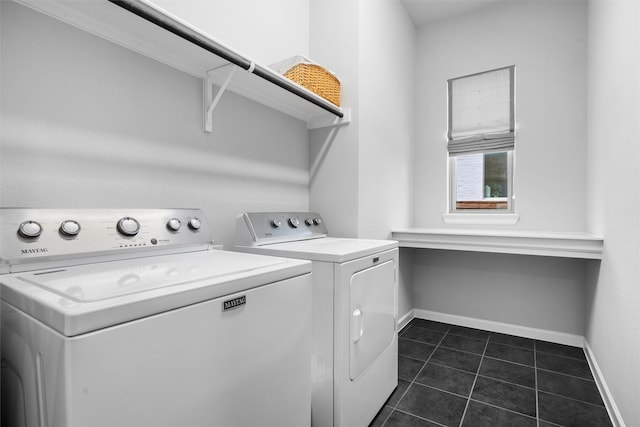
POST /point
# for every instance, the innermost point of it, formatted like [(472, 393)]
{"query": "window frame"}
[(510, 199), (451, 164)]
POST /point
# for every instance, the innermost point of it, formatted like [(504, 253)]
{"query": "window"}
[(481, 141)]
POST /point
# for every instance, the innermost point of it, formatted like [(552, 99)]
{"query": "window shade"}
[(481, 112)]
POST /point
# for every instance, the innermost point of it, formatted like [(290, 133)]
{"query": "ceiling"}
[(423, 11)]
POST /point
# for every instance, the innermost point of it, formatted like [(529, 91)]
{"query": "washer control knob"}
[(174, 224), (70, 228), (308, 221), (128, 226), (30, 229), (276, 223), (317, 221), (294, 222), (195, 223)]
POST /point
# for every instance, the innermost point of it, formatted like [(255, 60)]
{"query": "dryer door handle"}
[(356, 325)]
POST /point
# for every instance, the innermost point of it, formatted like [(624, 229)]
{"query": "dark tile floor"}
[(455, 376)]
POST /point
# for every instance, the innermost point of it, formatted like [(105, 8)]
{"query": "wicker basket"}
[(311, 76)]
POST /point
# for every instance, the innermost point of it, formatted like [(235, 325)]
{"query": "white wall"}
[(613, 316), (547, 43), (265, 31), (360, 175), (86, 123), (386, 85)]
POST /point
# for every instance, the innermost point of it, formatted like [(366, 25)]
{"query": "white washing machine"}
[(355, 345), (130, 318)]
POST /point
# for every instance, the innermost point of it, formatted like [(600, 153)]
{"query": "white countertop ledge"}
[(541, 243)]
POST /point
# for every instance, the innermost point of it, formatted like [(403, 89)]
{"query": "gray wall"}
[(86, 123), (547, 43), (613, 298), (363, 180)]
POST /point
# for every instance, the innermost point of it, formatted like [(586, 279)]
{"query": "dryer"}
[(129, 317), (354, 366)]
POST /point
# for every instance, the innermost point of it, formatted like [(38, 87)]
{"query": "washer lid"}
[(328, 249), (79, 299)]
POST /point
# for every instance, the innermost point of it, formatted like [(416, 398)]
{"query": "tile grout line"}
[(394, 407), (503, 409), (419, 417), (464, 413), (535, 370)]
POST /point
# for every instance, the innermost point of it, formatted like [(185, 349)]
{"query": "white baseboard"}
[(609, 403), (404, 320), (503, 328)]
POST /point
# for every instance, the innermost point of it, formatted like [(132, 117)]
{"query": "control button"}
[(317, 221), (276, 223), (174, 224), (154, 241), (195, 223), (308, 221), (30, 229), (128, 226), (70, 228), (294, 222)]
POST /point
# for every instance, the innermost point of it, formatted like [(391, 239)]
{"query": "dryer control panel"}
[(262, 228), (33, 236)]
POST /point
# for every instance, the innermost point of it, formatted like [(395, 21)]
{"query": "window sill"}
[(481, 218), (554, 244)]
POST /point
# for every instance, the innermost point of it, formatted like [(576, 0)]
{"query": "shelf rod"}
[(155, 16)]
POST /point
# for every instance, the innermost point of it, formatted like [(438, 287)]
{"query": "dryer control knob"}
[(294, 222), (308, 221), (30, 229), (317, 221), (276, 223), (70, 228), (195, 223), (174, 224), (128, 226)]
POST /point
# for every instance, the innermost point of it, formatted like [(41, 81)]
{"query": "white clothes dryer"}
[(354, 363), (131, 318)]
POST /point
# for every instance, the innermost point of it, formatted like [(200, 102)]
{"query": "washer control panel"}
[(259, 228), (32, 235)]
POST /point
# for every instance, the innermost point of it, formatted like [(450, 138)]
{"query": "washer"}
[(131, 318), (355, 341)]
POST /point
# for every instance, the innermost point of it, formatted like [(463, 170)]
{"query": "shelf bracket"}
[(210, 101)]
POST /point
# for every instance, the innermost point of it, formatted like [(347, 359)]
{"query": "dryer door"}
[(372, 315)]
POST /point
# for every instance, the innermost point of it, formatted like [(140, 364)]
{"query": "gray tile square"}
[(561, 350), (563, 365), (408, 368), (509, 372), (571, 413), (481, 415), (447, 379), (431, 324), (414, 349), (434, 405), (509, 353), (469, 332), (424, 335), (505, 395), (512, 340), (456, 359), (402, 419), (458, 342), (571, 387)]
